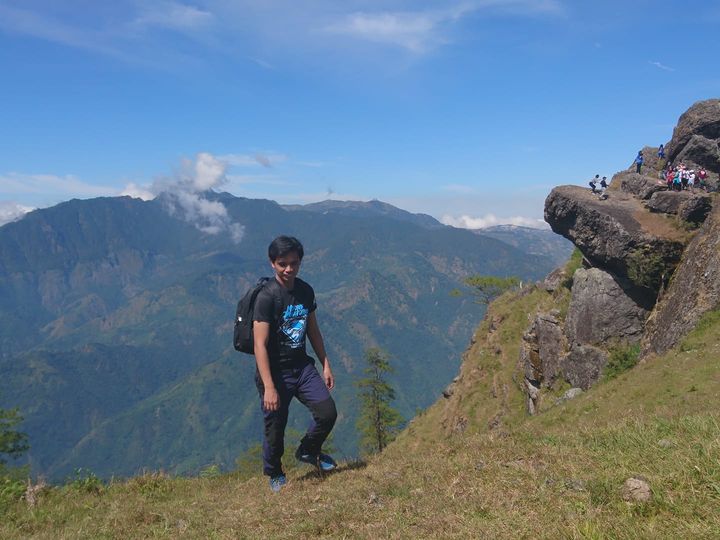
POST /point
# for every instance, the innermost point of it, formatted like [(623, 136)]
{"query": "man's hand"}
[(271, 399), (328, 377)]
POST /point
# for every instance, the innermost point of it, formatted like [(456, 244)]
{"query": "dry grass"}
[(556, 475)]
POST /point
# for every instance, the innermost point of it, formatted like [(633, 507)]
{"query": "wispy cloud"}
[(173, 15), (12, 211), (264, 159), (661, 66), (51, 185), (489, 220), (422, 30)]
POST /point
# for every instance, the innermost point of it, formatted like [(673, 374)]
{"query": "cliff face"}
[(651, 262)]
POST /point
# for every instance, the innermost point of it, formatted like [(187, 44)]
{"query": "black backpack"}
[(243, 338)]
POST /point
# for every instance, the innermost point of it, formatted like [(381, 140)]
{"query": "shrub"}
[(621, 359)]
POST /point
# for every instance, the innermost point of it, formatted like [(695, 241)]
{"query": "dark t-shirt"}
[(287, 333)]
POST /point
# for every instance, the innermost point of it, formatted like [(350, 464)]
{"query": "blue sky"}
[(470, 111)]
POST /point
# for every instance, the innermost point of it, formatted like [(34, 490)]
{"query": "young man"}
[(284, 313)]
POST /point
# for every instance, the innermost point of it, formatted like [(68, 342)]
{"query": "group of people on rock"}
[(681, 177), (597, 180)]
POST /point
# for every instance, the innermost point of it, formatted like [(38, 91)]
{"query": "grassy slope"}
[(558, 474)]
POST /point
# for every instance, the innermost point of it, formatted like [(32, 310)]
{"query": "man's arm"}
[(316, 340), (261, 333)]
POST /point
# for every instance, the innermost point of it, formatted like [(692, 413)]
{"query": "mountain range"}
[(116, 316)]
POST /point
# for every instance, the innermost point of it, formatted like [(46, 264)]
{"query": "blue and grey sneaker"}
[(277, 482), (322, 461)]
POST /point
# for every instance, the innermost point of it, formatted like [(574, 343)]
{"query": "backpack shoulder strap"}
[(274, 288)]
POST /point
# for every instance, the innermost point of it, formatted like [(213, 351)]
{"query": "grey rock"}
[(618, 235), (698, 124), (695, 209), (667, 202), (583, 365), (554, 280), (665, 443), (700, 152), (636, 490), (542, 349), (640, 185), (572, 393), (694, 290), (600, 311)]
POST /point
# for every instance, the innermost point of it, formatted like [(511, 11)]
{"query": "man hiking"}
[(284, 313)]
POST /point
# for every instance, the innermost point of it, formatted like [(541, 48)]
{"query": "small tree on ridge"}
[(378, 422)]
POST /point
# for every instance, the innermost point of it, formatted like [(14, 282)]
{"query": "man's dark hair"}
[(284, 245)]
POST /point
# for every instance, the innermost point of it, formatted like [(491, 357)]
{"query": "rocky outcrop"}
[(542, 349), (696, 136), (600, 312), (694, 290), (618, 235)]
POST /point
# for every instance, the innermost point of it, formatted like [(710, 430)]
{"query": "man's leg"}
[(312, 392), (274, 431)]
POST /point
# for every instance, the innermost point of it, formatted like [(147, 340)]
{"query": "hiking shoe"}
[(321, 461), (277, 482)]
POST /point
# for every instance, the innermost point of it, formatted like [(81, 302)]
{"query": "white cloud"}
[(661, 66), (489, 220), (12, 211), (420, 31), (51, 185), (173, 15), (184, 196), (137, 192)]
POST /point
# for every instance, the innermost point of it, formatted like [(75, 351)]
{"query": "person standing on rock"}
[(639, 160), (593, 183), (661, 152), (284, 313)]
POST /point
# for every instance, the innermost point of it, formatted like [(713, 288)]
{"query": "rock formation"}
[(649, 275)]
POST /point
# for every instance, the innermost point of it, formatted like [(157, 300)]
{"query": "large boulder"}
[(619, 235), (700, 151), (583, 366), (600, 311), (695, 209), (641, 185), (667, 202), (696, 136), (694, 290)]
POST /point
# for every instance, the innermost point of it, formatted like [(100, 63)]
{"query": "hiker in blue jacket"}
[(284, 314), (639, 160)]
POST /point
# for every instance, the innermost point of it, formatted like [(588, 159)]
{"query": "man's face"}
[(286, 267)]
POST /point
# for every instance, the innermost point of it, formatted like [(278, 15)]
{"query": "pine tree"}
[(378, 423), (487, 288)]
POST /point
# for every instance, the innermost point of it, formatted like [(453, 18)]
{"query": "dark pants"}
[(304, 382)]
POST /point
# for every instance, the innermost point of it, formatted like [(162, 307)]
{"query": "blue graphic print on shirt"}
[(294, 324)]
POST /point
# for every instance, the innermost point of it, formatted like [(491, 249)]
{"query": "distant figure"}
[(593, 183), (661, 152), (639, 160), (603, 183), (701, 177)]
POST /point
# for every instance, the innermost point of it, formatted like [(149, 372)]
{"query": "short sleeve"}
[(311, 299), (264, 307)]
